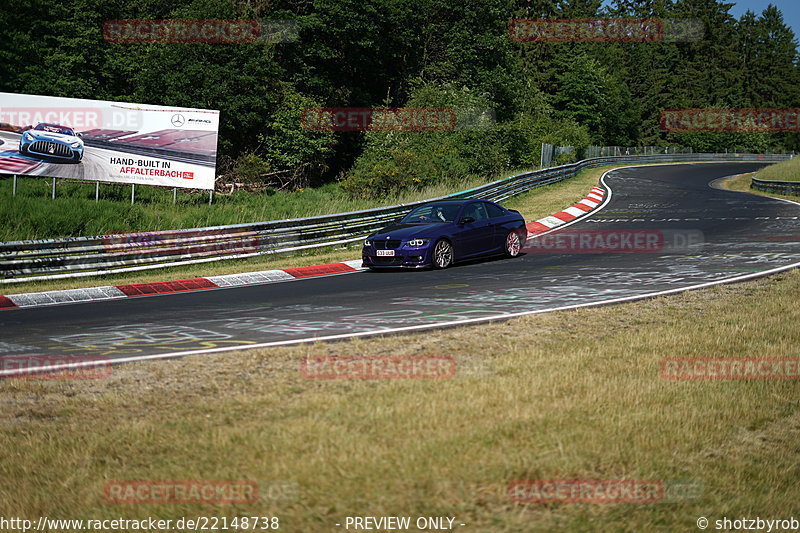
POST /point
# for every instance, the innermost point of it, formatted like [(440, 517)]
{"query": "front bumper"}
[(403, 258), (51, 149)]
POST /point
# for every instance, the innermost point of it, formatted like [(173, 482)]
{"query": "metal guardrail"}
[(781, 187), (22, 261)]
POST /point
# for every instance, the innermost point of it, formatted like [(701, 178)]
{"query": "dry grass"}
[(742, 183), (564, 395), (783, 171)]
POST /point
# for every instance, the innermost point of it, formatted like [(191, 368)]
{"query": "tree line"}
[(405, 53)]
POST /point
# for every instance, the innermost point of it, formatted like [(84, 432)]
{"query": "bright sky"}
[(789, 8)]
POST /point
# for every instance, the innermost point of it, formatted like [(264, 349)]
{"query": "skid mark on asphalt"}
[(115, 340)]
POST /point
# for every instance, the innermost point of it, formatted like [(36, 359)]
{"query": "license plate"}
[(384, 253)]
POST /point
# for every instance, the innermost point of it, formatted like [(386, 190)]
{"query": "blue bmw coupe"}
[(443, 232)]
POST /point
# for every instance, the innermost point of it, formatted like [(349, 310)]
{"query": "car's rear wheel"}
[(442, 254), (513, 243)]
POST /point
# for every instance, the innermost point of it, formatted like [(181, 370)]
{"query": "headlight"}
[(28, 136), (367, 243), (76, 144), (417, 242)]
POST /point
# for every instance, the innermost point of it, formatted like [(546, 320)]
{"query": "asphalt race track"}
[(709, 235)]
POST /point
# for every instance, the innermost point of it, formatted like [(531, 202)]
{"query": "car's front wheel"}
[(513, 243), (442, 254)]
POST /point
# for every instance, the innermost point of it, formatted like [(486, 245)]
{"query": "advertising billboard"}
[(113, 142)]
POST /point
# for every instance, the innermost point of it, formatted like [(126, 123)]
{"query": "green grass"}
[(32, 214), (783, 171)]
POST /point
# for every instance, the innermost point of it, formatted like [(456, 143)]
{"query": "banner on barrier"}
[(114, 142)]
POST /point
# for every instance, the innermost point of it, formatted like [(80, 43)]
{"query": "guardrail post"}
[(133, 192), (174, 195), (96, 191), (53, 197), (210, 196), (14, 186)]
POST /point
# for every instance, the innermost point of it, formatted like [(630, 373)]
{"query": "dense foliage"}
[(365, 53)]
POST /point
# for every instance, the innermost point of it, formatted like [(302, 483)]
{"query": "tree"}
[(590, 96)]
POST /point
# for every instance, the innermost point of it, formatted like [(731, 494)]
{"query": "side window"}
[(476, 211), (450, 212), (494, 211), (420, 214)]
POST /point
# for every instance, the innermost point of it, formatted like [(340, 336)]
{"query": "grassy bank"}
[(742, 183), (32, 214), (783, 171), (565, 395)]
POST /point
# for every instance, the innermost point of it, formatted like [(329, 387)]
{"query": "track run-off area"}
[(685, 233)]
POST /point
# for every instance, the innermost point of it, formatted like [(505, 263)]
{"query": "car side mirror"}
[(79, 134), (467, 220)]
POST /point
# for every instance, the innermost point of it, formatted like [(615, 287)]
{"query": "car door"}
[(474, 237), (497, 216)]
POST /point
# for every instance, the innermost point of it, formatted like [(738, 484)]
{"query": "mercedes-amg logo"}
[(178, 120)]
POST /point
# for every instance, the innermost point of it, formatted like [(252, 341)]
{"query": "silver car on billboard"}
[(52, 141)]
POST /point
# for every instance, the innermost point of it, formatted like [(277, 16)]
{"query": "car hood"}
[(52, 136), (408, 231)]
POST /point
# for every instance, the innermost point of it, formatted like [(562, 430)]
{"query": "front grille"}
[(387, 261), (386, 245), (44, 147)]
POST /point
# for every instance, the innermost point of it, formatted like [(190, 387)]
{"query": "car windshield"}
[(437, 212), (54, 129)]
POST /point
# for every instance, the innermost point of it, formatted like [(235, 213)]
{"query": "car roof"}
[(457, 200), (54, 125)]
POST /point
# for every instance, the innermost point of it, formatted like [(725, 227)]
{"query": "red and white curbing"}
[(17, 165), (113, 292), (592, 200)]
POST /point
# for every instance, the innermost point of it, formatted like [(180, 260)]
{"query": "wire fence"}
[(553, 155)]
